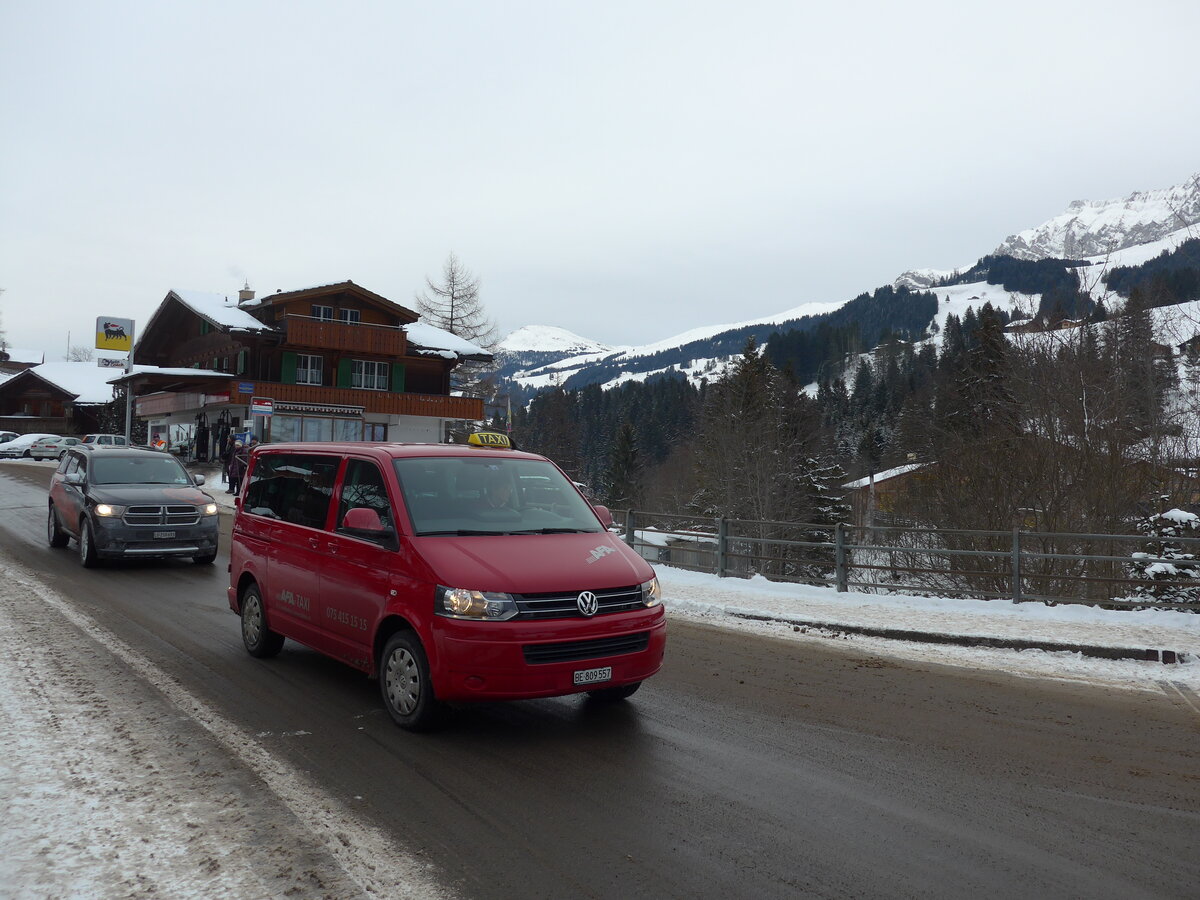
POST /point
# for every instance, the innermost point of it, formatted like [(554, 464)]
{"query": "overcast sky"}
[(625, 170)]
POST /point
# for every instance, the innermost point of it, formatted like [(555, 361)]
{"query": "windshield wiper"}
[(462, 532), (553, 531)]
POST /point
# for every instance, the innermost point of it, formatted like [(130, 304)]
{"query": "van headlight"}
[(109, 510), (483, 606), (651, 592)]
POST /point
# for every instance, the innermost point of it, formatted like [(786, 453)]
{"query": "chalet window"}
[(350, 315), (308, 369), (370, 375), (241, 361), (322, 312)]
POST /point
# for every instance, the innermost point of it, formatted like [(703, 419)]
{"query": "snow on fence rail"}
[(1134, 571)]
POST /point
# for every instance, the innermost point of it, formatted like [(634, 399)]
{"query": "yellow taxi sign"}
[(490, 439)]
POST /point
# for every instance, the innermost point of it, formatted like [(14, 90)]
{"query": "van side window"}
[(294, 487), (363, 486)]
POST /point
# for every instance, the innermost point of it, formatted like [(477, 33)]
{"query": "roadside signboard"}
[(262, 406), (108, 363), (113, 333)]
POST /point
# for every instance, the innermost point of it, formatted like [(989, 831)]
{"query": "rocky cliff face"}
[(1093, 228)]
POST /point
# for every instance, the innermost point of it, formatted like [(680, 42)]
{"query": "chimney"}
[(245, 295)]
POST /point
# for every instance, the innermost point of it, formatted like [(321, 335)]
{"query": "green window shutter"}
[(205, 328), (287, 372), (241, 361), (345, 373), (397, 378)]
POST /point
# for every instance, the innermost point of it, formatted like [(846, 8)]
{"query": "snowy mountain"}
[(1094, 228), (548, 339), (1126, 232)]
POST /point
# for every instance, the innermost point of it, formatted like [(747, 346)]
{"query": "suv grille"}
[(162, 515), (564, 605), (574, 650)]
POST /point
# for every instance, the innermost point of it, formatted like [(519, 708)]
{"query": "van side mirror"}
[(605, 516), (365, 520)]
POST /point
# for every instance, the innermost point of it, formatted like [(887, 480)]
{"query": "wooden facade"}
[(339, 345)]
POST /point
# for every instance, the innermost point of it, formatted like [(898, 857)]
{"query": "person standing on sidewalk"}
[(237, 465)]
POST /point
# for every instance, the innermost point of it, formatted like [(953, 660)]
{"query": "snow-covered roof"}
[(883, 476), (157, 370), (220, 310), (20, 355), (429, 340), (85, 380)]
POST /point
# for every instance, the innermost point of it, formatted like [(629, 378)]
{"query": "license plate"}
[(591, 676), (164, 535)]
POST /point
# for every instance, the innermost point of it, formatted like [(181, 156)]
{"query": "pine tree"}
[(625, 470)]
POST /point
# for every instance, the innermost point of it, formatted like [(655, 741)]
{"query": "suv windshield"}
[(138, 470), (491, 495)]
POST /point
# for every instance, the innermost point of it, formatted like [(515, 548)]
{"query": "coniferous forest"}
[(1085, 428)]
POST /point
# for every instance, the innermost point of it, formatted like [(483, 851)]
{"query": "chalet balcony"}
[(386, 402), (219, 392), (354, 337)]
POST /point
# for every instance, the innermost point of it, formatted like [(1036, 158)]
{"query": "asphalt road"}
[(748, 767)]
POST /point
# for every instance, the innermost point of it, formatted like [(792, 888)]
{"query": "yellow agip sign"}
[(114, 334)]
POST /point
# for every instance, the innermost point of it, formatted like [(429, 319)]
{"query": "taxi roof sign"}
[(490, 439)]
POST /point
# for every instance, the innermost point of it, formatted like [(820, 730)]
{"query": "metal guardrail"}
[(1107, 570)]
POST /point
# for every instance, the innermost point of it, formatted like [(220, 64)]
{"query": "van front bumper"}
[(523, 660)]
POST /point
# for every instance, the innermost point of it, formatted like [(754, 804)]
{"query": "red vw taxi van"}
[(452, 572)]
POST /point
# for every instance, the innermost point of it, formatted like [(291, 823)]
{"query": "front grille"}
[(565, 605), (594, 649), (171, 516)]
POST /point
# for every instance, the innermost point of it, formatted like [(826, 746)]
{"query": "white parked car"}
[(105, 440), (20, 446), (51, 447)]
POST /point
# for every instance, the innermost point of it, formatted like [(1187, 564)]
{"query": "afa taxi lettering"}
[(295, 601)]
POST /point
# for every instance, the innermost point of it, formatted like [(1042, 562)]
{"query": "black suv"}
[(130, 502)]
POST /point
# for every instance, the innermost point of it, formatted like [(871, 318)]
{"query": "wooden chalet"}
[(335, 362)]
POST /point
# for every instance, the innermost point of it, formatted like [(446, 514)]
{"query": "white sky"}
[(626, 171)]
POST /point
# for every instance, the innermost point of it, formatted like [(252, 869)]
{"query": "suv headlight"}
[(483, 606), (209, 509), (651, 592), (109, 510)]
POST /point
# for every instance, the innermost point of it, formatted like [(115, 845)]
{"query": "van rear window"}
[(491, 495)]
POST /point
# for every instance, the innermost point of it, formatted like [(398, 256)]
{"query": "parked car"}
[(21, 445), (105, 440), (130, 502), (6, 436), (52, 447)]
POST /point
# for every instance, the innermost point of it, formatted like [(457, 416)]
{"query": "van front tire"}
[(406, 686), (260, 641)]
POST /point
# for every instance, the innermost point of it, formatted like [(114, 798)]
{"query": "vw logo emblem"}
[(587, 603)]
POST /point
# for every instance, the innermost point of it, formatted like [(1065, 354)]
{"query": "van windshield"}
[(491, 495), (139, 470)]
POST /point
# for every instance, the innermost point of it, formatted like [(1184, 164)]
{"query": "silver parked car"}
[(52, 447)]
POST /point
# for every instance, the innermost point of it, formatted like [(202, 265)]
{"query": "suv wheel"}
[(56, 536), (87, 549)]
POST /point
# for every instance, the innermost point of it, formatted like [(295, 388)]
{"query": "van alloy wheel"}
[(260, 640), (405, 684)]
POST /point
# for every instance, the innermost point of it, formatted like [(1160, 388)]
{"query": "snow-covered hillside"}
[(1126, 232), (549, 339), (1093, 228)]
